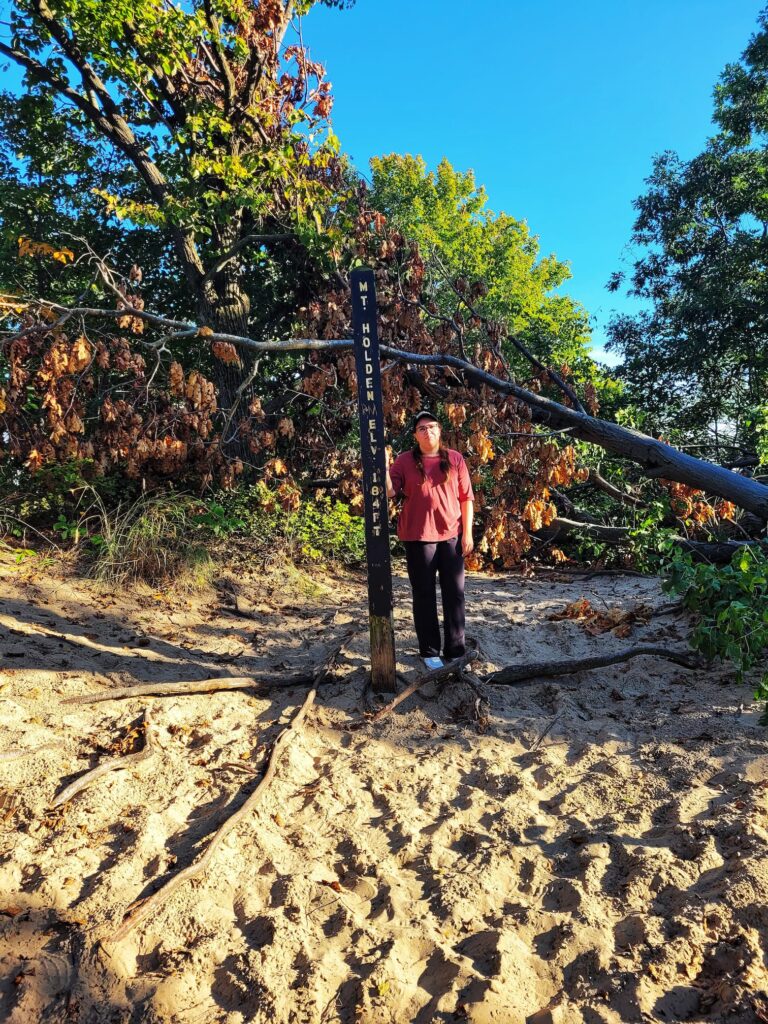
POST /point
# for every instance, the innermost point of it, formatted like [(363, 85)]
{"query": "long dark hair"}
[(445, 463)]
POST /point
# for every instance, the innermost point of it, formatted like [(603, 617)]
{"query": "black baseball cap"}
[(423, 415)]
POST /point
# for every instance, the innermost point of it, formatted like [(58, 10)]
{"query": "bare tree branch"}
[(220, 56), (243, 243)]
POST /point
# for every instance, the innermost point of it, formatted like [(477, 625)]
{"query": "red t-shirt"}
[(432, 507)]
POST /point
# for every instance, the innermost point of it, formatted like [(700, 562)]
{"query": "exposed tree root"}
[(116, 764), (142, 909), (511, 674), (451, 668)]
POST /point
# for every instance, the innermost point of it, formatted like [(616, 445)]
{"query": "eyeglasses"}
[(427, 426)]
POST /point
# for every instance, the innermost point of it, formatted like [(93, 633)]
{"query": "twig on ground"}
[(531, 671), (142, 909), (16, 753), (546, 732), (117, 763), (449, 669)]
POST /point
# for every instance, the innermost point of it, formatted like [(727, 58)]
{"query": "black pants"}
[(426, 560)]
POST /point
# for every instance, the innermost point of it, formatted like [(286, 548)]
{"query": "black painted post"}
[(374, 480)]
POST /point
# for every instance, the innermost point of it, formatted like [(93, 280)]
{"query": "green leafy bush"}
[(313, 530), (61, 502), (650, 544), (731, 607)]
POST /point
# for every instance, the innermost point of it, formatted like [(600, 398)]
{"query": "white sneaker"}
[(433, 663)]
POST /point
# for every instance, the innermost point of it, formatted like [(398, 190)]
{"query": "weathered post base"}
[(383, 673)]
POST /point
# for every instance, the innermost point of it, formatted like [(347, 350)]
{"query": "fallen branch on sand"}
[(143, 908), (266, 681), (117, 763), (451, 668), (511, 674)]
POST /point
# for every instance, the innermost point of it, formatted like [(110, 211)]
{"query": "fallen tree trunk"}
[(662, 460), (656, 458), (720, 553), (512, 674)]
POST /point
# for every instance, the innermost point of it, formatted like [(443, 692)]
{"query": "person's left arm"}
[(467, 515), (467, 504)]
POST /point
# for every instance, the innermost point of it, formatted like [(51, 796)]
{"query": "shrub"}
[(305, 529), (731, 607)]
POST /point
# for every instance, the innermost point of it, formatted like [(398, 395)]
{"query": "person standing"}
[(435, 526)]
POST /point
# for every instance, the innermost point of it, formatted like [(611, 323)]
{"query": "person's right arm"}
[(391, 492)]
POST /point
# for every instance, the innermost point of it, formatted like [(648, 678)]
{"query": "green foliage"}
[(315, 530), (61, 498), (218, 521), (650, 544), (142, 54), (326, 529), (158, 538), (446, 212), (698, 356), (170, 137), (757, 422), (731, 607)]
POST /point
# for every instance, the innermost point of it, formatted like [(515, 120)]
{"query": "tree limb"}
[(601, 484), (221, 58), (523, 349), (533, 671), (719, 552), (243, 243), (110, 123), (164, 84)]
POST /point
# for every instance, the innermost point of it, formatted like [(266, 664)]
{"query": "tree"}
[(225, 162), (220, 131), (697, 359), (446, 212), (51, 171)]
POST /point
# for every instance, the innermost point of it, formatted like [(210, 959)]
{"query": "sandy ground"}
[(590, 850)]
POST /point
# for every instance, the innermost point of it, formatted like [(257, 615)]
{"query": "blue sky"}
[(557, 106)]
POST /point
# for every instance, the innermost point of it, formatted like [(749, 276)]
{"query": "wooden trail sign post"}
[(374, 480)]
